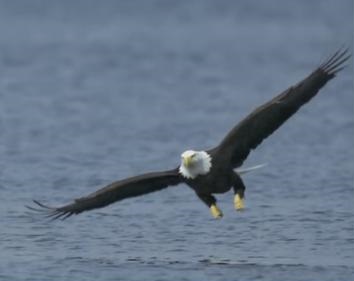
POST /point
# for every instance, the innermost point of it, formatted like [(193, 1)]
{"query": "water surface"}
[(92, 92)]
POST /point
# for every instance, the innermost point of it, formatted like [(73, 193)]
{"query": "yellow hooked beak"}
[(187, 161)]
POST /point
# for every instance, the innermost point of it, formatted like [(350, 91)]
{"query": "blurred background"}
[(95, 91)]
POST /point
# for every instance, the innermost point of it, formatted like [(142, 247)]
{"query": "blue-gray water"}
[(95, 91)]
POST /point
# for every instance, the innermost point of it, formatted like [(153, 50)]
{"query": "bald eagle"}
[(213, 171)]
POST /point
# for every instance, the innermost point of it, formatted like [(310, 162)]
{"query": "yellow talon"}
[(215, 211), (239, 202)]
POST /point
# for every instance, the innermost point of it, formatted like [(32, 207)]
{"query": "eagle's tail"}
[(242, 171)]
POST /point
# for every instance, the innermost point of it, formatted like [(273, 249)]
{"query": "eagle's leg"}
[(239, 189), (210, 201)]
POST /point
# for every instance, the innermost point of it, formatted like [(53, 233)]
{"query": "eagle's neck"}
[(200, 165)]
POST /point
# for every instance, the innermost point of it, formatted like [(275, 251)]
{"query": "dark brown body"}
[(220, 179)]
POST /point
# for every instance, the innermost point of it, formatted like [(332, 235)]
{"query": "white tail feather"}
[(242, 171)]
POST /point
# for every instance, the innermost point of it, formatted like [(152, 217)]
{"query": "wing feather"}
[(116, 191), (263, 121)]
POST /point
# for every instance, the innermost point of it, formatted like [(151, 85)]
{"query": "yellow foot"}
[(239, 203), (215, 211)]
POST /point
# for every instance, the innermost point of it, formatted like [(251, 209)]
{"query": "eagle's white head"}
[(194, 163)]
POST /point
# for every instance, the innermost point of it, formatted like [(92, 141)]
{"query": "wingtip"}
[(335, 62), (48, 212), (42, 205)]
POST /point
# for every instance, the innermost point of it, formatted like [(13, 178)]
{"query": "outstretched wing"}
[(263, 121), (114, 192)]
